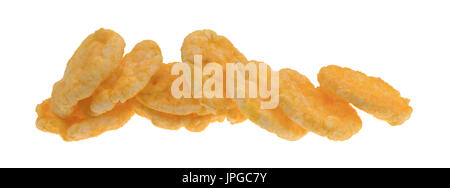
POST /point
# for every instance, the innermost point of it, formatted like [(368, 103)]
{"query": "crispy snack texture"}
[(370, 94), (192, 122), (93, 62), (134, 72), (272, 120), (316, 110), (101, 90), (157, 95), (46, 120), (79, 125), (214, 48)]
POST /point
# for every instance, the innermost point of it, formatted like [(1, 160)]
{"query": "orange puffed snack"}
[(370, 94), (93, 62), (101, 90), (192, 122), (272, 120), (157, 95), (134, 72), (79, 125), (91, 97), (214, 48), (316, 110)]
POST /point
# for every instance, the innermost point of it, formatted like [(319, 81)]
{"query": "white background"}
[(407, 43)]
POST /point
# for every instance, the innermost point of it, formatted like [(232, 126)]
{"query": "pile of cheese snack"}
[(102, 89)]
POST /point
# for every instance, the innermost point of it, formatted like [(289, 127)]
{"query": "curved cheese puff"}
[(212, 47), (157, 95), (94, 60), (273, 120), (316, 110), (370, 94), (78, 125), (218, 49), (192, 122), (79, 129), (134, 72)]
